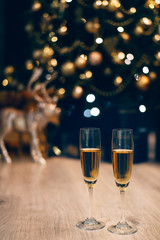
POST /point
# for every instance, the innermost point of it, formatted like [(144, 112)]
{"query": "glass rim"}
[(91, 128), (122, 129)]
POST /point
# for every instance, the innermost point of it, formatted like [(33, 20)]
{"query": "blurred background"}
[(107, 58)]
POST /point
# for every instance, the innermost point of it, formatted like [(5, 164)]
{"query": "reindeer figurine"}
[(46, 110)]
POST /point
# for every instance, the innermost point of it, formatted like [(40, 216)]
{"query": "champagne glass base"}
[(122, 229), (90, 224)]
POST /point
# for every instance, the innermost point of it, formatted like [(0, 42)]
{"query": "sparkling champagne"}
[(90, 161), (122, 166)]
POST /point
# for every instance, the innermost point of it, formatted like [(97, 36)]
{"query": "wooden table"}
[(45, 202)]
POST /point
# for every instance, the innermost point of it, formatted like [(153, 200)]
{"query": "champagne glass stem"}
[(122, 194), (90, 189)]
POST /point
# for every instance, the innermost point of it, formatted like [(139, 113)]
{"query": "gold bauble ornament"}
[(47, 52), (81, 61), (125, 36), (68, 69), (77, 92), (92, 27), (9, 70), (95, 58), (138, 30), (36, 6), (107, 71), (152, 75), (119, 15), (37, 53), (143, 82)]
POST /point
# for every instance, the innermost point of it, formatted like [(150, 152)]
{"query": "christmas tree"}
[(105, 47)]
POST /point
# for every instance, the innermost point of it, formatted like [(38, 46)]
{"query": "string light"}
[(82, 76), (145, 70), (29, 65), (130, 56), (9, 70), (136, 76), (36, 6), (157, 55), (98, 3), (50, 69), (62, 30), (133, 10), (87, 113), (125, 36), (61, 91), (127, 61), (88, 74), (95, 111), (116, 3), (48, 77), (83, 20), (54, 39), (90, 98), (121, 55), (48, 51), (105, 3), (56, 150), (120, 29), (37, 62), (142, 108), (45, 15), (99, 40), (157, 37), (118, 80), (147, 21), (151, 6), (53, 62), (77, 92), (5, 82)]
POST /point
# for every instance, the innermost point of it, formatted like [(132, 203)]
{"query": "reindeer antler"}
[(40, 87), (35, 76), (44, 90)]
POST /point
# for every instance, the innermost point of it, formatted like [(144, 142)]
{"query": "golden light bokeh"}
[(5, 82)]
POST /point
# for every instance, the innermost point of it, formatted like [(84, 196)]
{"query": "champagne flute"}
[(122, 160), (90, 153)]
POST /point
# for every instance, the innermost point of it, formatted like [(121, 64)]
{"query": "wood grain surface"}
[(45, 202)]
